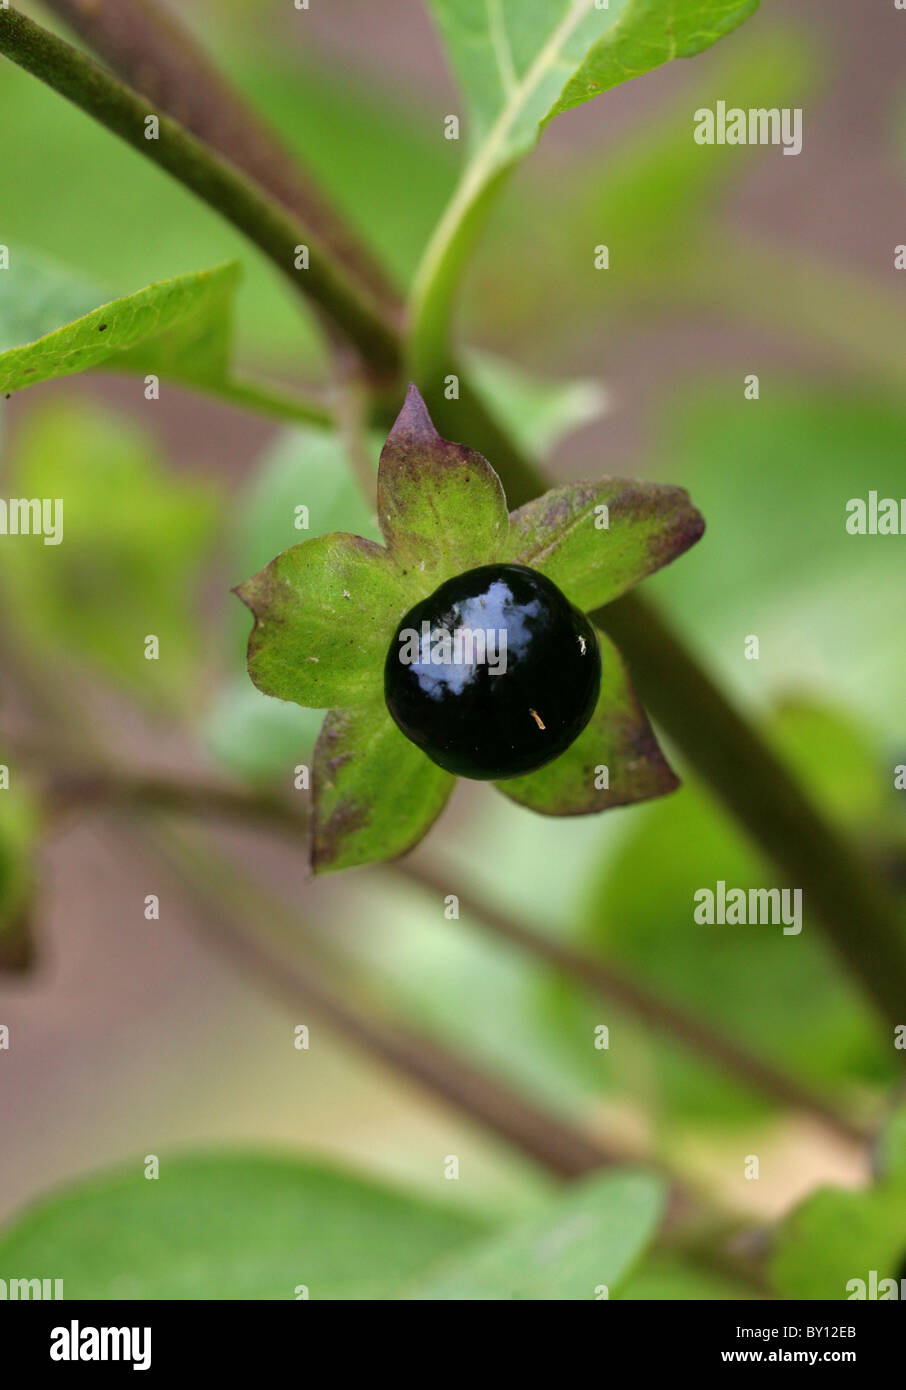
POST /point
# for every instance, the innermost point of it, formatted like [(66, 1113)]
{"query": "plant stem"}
[(588, 971), (547, 1139), (267, 223), (149, 48), (602, 978), (69, 789), (765, 798), (262, 397)]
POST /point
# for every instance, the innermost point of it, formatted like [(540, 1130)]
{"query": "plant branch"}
[(261, 214), (547, 1139), (267, 223), (589, 972), (600, 977), (860, 920), (149, 48), (70, 789)]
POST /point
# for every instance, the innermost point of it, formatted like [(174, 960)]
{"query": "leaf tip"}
[(413, 424), (243, 593)]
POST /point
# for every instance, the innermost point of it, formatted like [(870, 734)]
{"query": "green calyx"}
[(326, 610)]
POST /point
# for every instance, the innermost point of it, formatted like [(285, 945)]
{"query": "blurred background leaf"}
[(537, 412), (835, 1236), (135, 539), (580, 1246), (665, 1278), (651, 196), (773, 477), (234, 1226), (892, 1145), (18, 839)]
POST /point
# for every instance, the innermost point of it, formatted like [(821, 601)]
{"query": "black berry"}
[(494, 674)]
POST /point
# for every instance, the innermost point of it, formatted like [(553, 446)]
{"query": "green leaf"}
[(325, 612), (191, 310), (520, 62), (254, 737), (618, 737), (588, 1237), (233, 1226), (440, 505), (134, 538), (835, 1237), (37, 295), (642, 35), (375, 793), (645, 526), (179, 330)]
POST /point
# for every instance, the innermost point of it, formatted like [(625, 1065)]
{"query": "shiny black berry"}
[(494, 674)]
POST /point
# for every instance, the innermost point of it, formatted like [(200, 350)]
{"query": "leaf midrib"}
[(483, 165)]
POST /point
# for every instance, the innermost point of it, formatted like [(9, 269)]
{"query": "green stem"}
[(266, 223), (262, 397), (150, 49), (437, 278), (766, 799)]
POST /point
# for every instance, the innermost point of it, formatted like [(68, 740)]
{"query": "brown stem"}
[(151, 50), (71, 789), (228, 910), (858, 916), (590, 972), (600, 977)]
